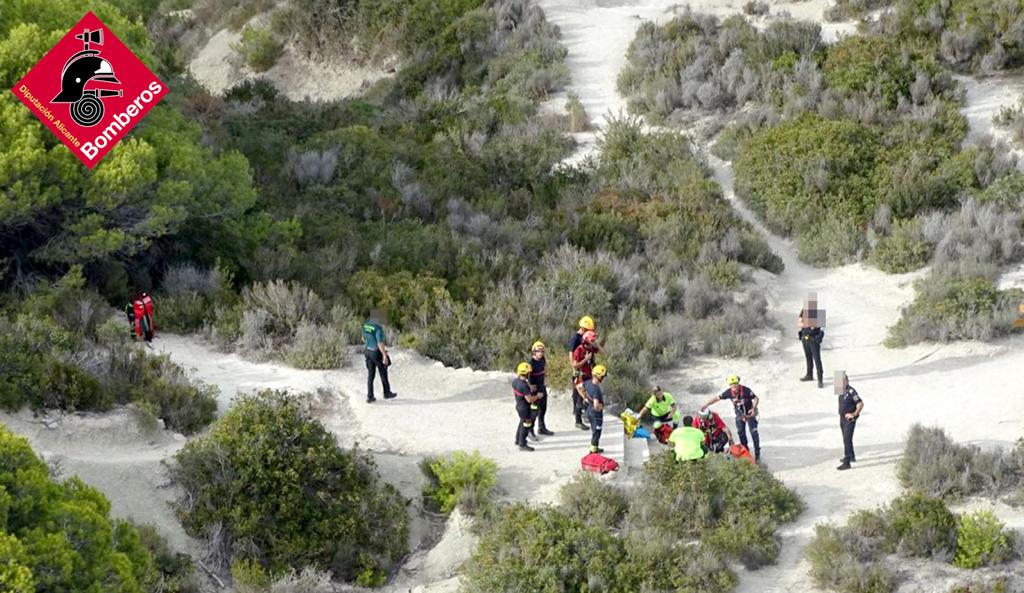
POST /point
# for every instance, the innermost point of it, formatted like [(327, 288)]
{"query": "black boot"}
[(845, 466), (807, 378), (525, 448), (820, 383), (544, 431)]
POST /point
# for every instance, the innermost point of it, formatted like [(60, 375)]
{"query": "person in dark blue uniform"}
[(524, 400), (745, 403), (538, 369), (811, 336), (850, 407)]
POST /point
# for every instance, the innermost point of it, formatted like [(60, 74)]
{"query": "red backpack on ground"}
[(599, 464), (663, 432)]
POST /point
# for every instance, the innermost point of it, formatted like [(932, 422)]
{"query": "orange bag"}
[(740, 452)]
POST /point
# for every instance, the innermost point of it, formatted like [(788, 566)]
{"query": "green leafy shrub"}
[(58, 536), (982, 541), (919, 526), (546, 550), (465, 479), (316, 347), (593, 502), (903, 250), (280, 492), (714, 496), (175, 571), (258, 48)]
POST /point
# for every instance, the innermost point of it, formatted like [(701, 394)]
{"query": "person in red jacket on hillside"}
[(142, 316), (586, 324)]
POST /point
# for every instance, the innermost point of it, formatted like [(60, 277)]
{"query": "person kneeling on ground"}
[(524, 400), (717, 436), (594, 400), (662, 407), (688, 441)]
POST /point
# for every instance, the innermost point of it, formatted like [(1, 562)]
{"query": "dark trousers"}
[(741, 428), (540, 408), (375, 363), (847, 427), (577, 404), (525, 420), (596, 424), (812, 353), (670, 417)]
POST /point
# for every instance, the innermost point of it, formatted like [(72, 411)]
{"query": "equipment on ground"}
[(598, 464)]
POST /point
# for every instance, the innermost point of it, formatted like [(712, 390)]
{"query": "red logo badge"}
[(90, 90)]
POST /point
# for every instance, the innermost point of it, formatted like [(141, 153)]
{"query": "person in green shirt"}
[(688, 441), (662, 407)]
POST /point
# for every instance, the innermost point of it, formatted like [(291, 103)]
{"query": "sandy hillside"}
[(217, 67), (962, 387)]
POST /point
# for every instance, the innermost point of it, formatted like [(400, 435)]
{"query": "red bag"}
[(740, 452), (663, 432), (599, 464)]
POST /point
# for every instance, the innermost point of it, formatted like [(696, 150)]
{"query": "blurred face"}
[(659, 395), (735, 388), (538, 354)]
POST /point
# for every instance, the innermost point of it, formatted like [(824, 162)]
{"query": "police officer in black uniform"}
[(850, 407), (810, 336)]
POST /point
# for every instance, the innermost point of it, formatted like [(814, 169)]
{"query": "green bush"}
[(982, 541), (592, 502), (949, 306), (919, 526), (258, 48), (60, 537), (714, 497), (546, 550), (836, 564), (903, 250), (460, 479), (283, 495)]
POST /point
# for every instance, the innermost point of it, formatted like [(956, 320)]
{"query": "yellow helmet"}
[(538, 345), (600, 371), (587, 323), (524, 368), (733, 379)]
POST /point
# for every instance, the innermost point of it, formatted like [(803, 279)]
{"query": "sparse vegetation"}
[(270, 491), (258, 48), (933, 464)]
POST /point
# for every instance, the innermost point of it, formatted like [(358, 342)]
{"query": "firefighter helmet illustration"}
[(82, 68)]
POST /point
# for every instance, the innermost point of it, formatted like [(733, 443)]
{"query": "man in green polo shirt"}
[(688, 441), (662, 407)]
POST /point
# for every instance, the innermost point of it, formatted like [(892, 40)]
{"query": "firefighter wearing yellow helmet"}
[(581, 359), (594, 401), (538, 369), (744, 402), (524, 399)]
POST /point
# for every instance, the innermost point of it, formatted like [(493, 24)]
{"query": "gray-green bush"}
[(935, 465)]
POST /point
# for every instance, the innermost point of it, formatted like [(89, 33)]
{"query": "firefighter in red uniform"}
[(142, 315)]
